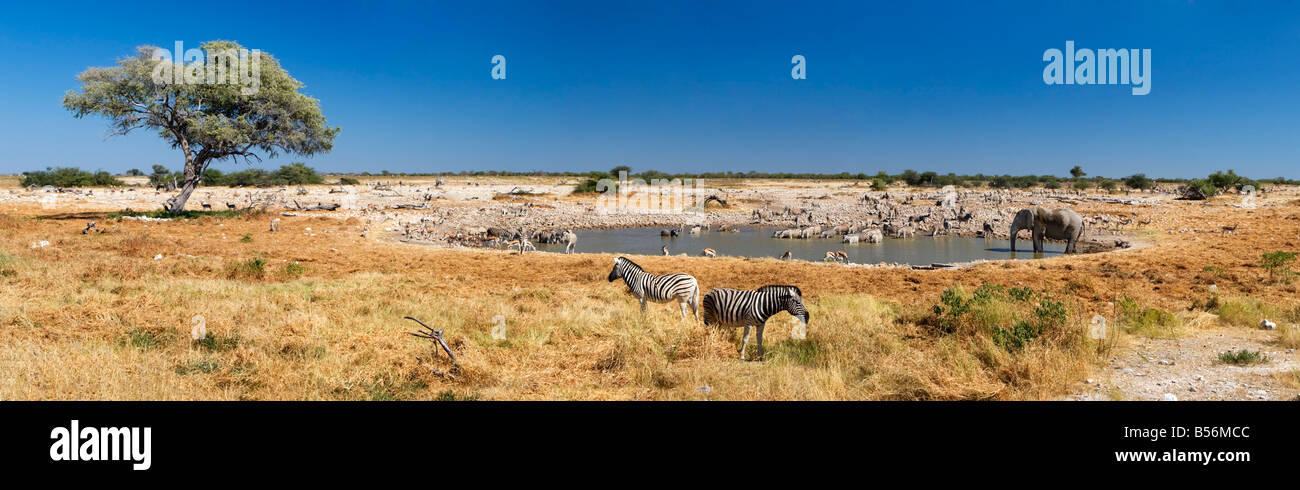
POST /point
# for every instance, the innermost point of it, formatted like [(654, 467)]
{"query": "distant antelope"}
[(90, 225), (522, 243), (708, 252), (275, 224), (786, 255), (1230, 229), (665, 250)]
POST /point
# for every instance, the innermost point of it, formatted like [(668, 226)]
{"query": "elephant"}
[(1059, 224)]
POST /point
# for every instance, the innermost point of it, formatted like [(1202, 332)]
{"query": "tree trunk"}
[(193, 172)]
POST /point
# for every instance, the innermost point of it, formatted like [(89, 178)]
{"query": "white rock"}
[(1267, 325), (1169, 397)]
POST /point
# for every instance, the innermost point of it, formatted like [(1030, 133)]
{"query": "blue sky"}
[(700, 86)]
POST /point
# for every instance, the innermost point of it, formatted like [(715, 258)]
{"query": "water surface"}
[(758, 242)]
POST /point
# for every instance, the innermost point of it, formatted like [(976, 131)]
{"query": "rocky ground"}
[(1189, 369)]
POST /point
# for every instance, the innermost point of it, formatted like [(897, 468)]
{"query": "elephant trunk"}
[(1015, 228)]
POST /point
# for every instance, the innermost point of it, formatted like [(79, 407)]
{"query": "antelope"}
[(708, 252)]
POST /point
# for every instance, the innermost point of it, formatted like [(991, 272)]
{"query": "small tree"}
[(208, 122), (1077, 172), (1138, 181), (1278, 265)]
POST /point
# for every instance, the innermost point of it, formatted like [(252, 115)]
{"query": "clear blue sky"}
[(696, 86)]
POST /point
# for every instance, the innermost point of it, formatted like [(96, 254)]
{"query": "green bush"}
[(68, 177), (1278, 265), (348, 181), (1138, 181), (1242, 357)]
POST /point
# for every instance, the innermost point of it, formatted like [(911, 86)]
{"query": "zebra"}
[(740, 308), (660, 288)]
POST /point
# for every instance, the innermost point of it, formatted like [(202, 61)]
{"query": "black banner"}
[(355, 438)]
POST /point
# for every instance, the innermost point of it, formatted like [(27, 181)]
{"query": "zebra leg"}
[(682, 304), (744, 343), (642, 304), (695, 305), (760, 341)]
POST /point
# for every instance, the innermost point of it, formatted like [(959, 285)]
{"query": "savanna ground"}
[(314, 312)]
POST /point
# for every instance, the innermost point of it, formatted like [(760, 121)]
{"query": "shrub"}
[(1148, 321), (1242, 313), (250, 269), (1242, 357), (991, 306), (1278, 265), (68, 177), (879, 184), (294, 269), (1138, 181), (348, 181)]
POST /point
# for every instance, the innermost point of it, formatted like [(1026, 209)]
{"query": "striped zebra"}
[(739, 308), (660, 288)]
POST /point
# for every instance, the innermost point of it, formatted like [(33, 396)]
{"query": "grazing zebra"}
[(230, 206), (738, 308), (660, 288), (206, 205), (708, 252)]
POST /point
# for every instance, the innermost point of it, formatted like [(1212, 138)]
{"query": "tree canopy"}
[(207, 120)]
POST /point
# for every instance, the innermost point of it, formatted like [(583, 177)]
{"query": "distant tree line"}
[(68, 177), (299, 173)]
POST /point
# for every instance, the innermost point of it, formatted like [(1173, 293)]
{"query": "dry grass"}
[(97, 317)]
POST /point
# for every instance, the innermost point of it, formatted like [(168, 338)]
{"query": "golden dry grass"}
[(97, 317)]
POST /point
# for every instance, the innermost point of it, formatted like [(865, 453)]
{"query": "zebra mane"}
[(781, 288), (631, 263)]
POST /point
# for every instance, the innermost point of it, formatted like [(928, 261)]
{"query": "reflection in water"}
[(758, 242)]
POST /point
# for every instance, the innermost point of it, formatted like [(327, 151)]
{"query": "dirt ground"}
[(1182, 250)]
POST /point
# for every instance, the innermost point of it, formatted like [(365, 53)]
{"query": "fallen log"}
[(318, 207)]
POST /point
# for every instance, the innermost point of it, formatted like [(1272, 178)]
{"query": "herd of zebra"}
[(722, 307)]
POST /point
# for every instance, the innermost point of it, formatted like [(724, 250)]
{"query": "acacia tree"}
[(208, 122)]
